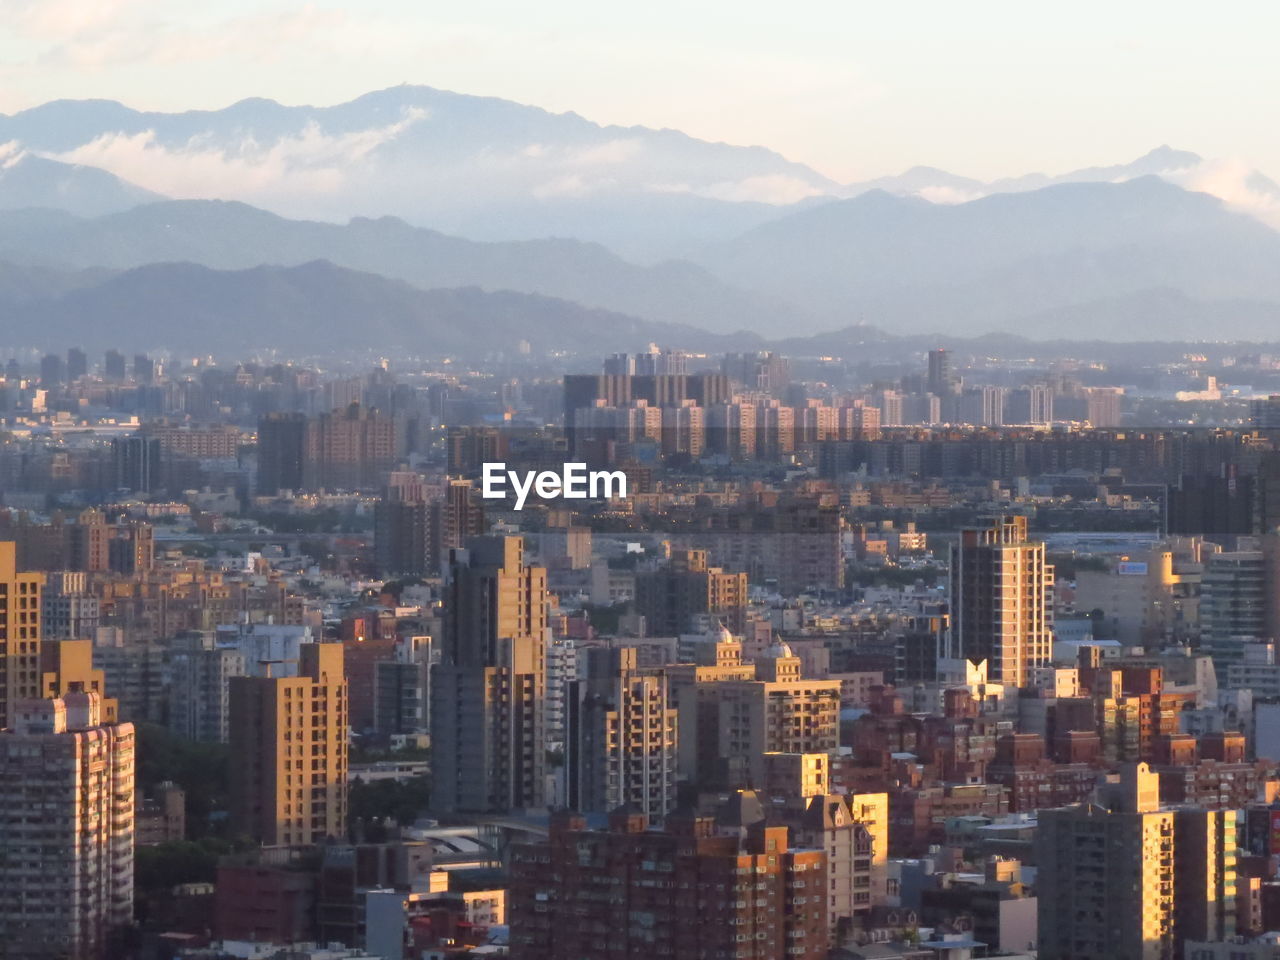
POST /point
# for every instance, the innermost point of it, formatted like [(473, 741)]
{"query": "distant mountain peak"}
[(1169, 156)]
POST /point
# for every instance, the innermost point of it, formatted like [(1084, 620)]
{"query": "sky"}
[(856, 89)]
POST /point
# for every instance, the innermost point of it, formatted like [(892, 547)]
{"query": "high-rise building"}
[(19, 633), (67, 665), (942, 379), (289, 751), (88, 543), (983, 406), (563, 658), (469, 448), (1235, 593), (200, 675), (348, 449), (77, 364), (136, 463), (715, 659), (891, 411), (1264, 412), (402, 688), (669, 598), (1213, 505), (1031, 405), (113, 366), (778, 710), (622, 745), (685, 892), (852, 829), (764, 372), (1123, 878), (1001, 601), (452, 521), (583, 392), (401, 531), (66, 844), (1102, 406), (281, 441), (131, 548), (67, 610), (144, 369), (52, 371), (488, 691)]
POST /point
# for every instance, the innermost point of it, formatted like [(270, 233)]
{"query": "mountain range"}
[(313, 309), (440, 191), (1021, 262), (234, 236)]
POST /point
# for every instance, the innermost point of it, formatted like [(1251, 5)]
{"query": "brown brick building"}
[(631, 893)]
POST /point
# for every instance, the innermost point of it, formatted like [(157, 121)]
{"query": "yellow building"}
[(289, 751), (1122, 879)]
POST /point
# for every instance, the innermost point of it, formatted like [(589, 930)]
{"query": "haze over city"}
[(583, 481)]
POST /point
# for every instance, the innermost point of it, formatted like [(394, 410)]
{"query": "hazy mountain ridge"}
[(1000, 262), (922, 251), (314, 307), (477, 166), (235, 236), (27, 180), (320, 308)]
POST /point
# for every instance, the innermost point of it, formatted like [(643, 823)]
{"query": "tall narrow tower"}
[(1001, 601), (19, 633), (489, 690)]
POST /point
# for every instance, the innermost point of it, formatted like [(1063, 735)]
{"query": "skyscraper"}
[(281, 440), (289, 751), (52, 371), (401, 530), (942, 380), (136, 461), (144, 369), (621, 744), (1001, 601), (113, 365), (488, 692), (66, 845), (77, 364)]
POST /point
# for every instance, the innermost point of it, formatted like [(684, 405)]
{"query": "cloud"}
[(778, 189), (570, 185), (949, 196), (1235, 183), (300, 166), (96, 35), (61, 20), (10, 154)]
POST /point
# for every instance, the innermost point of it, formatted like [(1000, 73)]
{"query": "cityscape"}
[(442, 525)]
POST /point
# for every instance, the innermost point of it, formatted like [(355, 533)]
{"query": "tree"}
[(202, 770)]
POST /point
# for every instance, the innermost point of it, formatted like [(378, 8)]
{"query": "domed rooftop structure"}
[(776, 651), (720, 633)]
